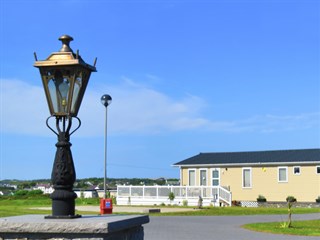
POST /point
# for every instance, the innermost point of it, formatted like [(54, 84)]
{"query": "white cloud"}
[(271, 123), (135, 109), (139, 109), (23, 108)]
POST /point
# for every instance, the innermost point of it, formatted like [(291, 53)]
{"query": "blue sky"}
[(185, 77)]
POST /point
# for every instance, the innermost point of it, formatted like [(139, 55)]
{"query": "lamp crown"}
[(66, 39)]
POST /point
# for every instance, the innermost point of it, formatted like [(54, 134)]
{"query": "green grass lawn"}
[(304, 228), (238, 211), (13, 206)]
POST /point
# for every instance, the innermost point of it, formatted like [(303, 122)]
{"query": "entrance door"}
[(203, 177), (203, 182)]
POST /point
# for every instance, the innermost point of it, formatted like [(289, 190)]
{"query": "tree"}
[(290, 200)]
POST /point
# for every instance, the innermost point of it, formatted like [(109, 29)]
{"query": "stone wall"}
[(294, 205)]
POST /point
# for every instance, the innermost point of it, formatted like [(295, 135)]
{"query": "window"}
[(296, 170), (203, 177), (318, 169), (192, 177), (215, 177), (282, 174), (246, 178)]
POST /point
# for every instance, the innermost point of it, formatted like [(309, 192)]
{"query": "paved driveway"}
[(217, 228)]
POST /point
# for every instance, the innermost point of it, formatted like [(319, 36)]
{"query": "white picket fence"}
[(156, 195)]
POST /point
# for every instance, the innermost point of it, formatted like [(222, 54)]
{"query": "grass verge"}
[(238, 211), (22, 205), (303, 228), (13, 206)]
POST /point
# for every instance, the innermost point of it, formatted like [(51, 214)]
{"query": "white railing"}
[(150, 195)]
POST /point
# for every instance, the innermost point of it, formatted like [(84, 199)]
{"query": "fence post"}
[(157, 191), (186, 192), (143, 191)]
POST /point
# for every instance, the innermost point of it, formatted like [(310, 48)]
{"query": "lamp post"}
[(105, 203), (65, 77), (106, 101)]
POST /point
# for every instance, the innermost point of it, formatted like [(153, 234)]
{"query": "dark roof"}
[(257, 157)]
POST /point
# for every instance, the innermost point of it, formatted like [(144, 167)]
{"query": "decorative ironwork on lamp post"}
[(65, 77)]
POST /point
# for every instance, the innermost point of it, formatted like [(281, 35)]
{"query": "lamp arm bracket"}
[(47, 122), (79, 124)]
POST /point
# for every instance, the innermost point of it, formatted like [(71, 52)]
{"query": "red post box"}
[(106, 206)]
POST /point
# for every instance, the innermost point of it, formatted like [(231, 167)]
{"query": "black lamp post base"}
[(63, 217), (63, 204), (63, 209)]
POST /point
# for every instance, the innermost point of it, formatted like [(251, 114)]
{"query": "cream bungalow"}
[(273, 174)]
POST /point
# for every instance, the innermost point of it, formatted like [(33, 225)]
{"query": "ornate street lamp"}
[(65, 77)]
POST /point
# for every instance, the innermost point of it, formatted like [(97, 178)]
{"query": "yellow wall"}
[(304, 187)]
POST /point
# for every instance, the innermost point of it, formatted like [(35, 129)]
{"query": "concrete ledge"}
[(106, 227)]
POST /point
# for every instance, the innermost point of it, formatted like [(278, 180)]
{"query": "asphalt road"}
[(217, 228)]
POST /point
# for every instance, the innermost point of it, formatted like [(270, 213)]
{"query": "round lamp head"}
[(106, 100)]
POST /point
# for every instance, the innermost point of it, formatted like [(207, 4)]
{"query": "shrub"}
[(171, 196), (318, 199), (114, 200), (291, 199), (185, 203), (21, 193), (35, 192), (261, 198)]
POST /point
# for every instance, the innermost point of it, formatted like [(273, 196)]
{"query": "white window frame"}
[(299, 170), (250, 169), (195, 176), (317, 170), (287, 177), (200, 180), (219, 178)]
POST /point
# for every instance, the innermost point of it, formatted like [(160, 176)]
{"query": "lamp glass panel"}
[(76, 91), (58, 86), (53, 94)]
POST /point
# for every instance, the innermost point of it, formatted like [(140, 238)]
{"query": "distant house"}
[(45, 188), (273, 174), (86, 193)]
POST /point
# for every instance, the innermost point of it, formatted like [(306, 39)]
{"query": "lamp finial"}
[(65, 39)]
